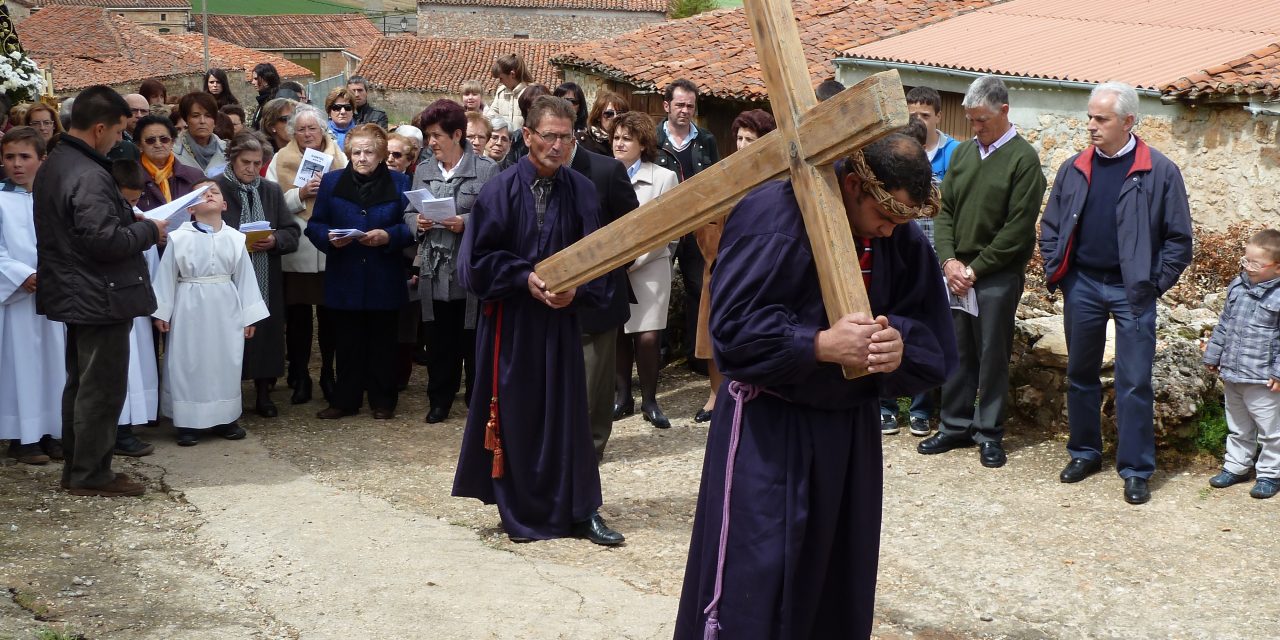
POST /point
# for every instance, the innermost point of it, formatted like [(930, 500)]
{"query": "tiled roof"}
[(441, 65), (715, 50), (351, 32), (1255, 74), (109, 4), (86, 46), (652, 6), (1145, 43)]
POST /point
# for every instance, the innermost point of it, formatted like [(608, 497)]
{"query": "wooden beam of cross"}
[(807, 141)]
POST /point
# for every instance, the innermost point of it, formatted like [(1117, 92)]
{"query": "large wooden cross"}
[(809, 138)]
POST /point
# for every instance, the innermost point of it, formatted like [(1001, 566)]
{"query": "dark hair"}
[(531, 93), (640, 125), (511, 62), (194, 98), (1268, 239), (234, 110), (129, 174), (757, 120), (360, 80), (448, 114), (548, 106), (679, 83), (28, 135), (226, 97), (829, 89), (96, 105), (6, 104), (267, 73), (174, 117), (152, 88), (604, 99), (901, 163), (925, 95), (916, 129), (146, 121), (563, 91), (292, 87), (222, 126)]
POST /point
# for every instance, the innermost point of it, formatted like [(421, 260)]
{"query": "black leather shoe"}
[(654, 416), (301, 390), (128, 444), (942, 443), (703, 415), (621, 411), (333, 413), (437, 414), (1079, 469), (991, 454), (1135, 490), (266, 408), (595, 530), (327, 385), (188, 437), (230, 431)]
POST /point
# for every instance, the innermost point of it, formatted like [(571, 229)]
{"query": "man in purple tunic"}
[(797, 556), (527, 446)]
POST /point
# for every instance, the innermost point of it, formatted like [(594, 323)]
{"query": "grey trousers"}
[(97, 383), (974, 399), (600, 355), (1253, 418)]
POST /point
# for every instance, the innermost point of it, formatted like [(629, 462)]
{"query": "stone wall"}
[(452, 21), (402, 106)]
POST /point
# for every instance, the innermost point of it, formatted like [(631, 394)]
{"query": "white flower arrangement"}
[(20, 78)]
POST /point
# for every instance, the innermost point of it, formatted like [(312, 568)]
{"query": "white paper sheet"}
[(261, 225), (175, 213), (337, 234), (431, 207), (313, 162), (967, 304)]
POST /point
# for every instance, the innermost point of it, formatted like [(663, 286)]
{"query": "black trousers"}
[(298, 337), (692, 265), (366, 358), (97, 360), (450, 349)]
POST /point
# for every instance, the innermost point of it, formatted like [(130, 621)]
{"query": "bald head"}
[(138, 107)]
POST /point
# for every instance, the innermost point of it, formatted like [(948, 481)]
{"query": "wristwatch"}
[(968, 273)]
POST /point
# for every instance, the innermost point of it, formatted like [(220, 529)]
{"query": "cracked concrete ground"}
[(343, 529)]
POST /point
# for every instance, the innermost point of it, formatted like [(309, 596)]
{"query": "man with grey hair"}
[(984, 236), (125, 149), (358, 87), (1118, 192)]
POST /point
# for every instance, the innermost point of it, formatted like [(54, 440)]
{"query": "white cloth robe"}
[(143, 399), (207, 292), (33, 367)]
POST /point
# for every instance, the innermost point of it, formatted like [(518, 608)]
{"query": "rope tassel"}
[(492, 434)]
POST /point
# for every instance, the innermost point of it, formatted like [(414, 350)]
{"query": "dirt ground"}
[(340, 529)]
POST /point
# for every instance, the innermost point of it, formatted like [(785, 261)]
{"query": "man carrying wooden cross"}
[(793, 455)]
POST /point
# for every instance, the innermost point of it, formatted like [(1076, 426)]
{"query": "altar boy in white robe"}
[(32, 348), (207, 299)]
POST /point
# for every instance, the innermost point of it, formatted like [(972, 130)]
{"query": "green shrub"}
[(686, 8), (1211, 428)]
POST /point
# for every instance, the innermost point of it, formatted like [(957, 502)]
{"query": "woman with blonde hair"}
[(44, 119), (512, 77)]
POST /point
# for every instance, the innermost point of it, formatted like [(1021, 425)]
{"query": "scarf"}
[(290, 158), (367, 191), (251, 211), (203, 153), (160, 175)]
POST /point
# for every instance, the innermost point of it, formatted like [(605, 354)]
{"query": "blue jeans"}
[(922, 405), (1090, 300)]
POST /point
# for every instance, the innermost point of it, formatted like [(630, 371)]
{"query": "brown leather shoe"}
[(28, 453), (333, 413), (120, 486), (383, 414)]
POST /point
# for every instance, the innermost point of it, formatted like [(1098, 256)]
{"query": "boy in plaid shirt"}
[(1245, 352)]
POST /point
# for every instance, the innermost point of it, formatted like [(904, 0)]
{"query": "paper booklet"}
[(967, 304), (338, 234), (175, 213), (431, 207), (313, 162), (255, 231)]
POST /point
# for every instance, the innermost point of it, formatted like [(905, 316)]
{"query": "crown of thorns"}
[(897, 210)]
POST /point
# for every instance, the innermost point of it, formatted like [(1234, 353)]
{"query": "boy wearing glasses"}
[(1245, 352)]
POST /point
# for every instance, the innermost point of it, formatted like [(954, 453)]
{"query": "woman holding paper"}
[(198, 147), (250, 199), (358, 223), (167, 178), (304, 269), (457, 173)]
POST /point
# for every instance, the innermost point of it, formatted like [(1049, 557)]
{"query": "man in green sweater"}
[(984, 236)]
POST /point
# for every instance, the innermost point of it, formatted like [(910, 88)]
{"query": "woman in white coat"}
[(635, 145)]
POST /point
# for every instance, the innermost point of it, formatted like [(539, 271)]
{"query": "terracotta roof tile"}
[(715, 50), (351, 32), (1254, 74), (109, 4), (441, 65), (86, 46), (1146, 44), (652, 6)]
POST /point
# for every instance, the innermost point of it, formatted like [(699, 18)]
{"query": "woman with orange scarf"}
[(154, 135)]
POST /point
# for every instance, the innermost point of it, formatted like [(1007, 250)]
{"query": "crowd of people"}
[(320, 230)]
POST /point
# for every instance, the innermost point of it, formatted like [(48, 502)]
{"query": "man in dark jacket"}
[(92, 278), (358, 87), (686, 150), (1116, 234), (600, 326)]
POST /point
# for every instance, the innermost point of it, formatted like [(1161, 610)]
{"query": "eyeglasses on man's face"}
[(1254, 265), (555, 137)]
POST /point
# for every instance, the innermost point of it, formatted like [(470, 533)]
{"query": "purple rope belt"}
[(742, 394)]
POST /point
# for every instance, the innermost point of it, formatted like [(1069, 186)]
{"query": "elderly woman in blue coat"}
[(358, 223)]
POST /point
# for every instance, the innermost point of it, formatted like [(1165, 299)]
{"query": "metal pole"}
[(204, 9)]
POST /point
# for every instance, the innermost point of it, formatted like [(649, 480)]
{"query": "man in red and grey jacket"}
[(1116, 234)]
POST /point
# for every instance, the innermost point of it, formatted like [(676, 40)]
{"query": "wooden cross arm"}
[(855, 118)]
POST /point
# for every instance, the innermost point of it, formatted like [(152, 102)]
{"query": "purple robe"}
[(804, 518), (551, 479)]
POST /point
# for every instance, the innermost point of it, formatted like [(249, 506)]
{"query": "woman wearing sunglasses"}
[(342, 114), (169, 178)]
